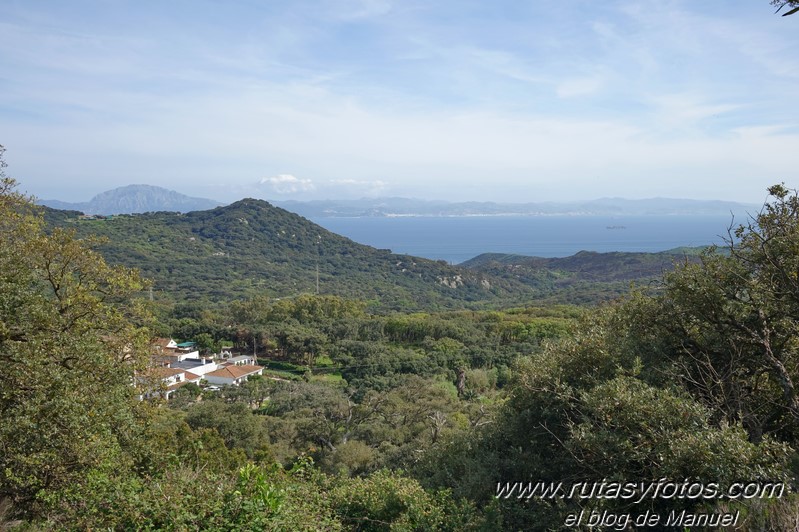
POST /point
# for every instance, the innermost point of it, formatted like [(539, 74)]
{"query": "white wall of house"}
[(241, 360), (199, 369), (188, 354), (213, 379), (174, 379)]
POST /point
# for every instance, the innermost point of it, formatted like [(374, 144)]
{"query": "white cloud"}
[(288, 184), (685, 110), (578, 87)]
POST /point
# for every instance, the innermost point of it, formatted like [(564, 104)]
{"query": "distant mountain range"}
[(146, 198), (605, 206), (135, 199)]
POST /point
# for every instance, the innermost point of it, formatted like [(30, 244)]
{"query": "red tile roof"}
[(235, 372)]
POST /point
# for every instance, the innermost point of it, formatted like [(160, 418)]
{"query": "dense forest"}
[(675, 404)]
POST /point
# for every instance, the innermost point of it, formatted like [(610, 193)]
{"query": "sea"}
[(456, 239)]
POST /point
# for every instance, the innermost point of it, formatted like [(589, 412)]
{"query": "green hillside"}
[(584, 277), (251, 247)]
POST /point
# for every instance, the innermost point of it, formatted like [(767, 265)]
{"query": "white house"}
[(233, 375), (163, 381), (199, 366), (168, 351)]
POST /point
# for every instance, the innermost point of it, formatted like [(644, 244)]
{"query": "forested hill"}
[(584, 277), (251, 247)]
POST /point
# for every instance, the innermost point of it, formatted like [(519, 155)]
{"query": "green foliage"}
[(391, 429), (627, 429), (692, 381), (385, 501), (253, 498), (234, 422), (250, 248), (726, 328), (581, 411), (584, 278), (69, 344)]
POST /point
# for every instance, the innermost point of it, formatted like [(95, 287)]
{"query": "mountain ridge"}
[(132, 199), (251, 247), (393, 206), (586, 276), (148, 198)]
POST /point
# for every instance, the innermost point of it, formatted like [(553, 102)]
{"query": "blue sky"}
[(458, 100)]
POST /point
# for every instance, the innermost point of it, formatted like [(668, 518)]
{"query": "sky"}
[(537, 100)]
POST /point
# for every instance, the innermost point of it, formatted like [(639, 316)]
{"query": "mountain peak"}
[(251, 202), (136, 199)]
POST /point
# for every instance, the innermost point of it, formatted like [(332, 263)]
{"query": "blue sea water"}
[(456, 239)]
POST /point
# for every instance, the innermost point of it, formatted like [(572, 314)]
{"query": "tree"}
[(387, 501), (70, 342), (583, 411), (727, 329), (793, 6), (234, 422)]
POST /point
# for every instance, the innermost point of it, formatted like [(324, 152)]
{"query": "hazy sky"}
[(450, 99)]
